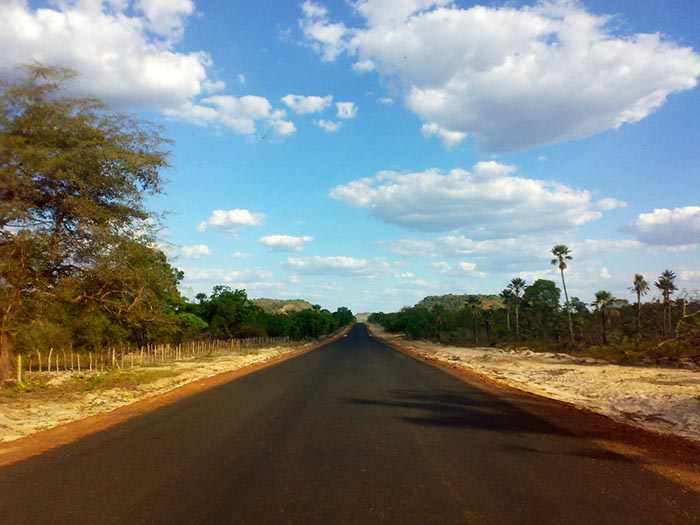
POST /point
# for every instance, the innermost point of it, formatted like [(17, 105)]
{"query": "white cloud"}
[(459, 269), (689, 275), (126, 54), (126, 59), (196, 251), (346, 110), (239, 278), (303, 105), (664, 227), (510, 77), (239, 114), (232, 221), (240, 255), (593, 247), (328, 125), (604, 273), (450, 139), (166, 17), (489, 201), (328, 39), (285, 243), (387, 101), (337, 265)]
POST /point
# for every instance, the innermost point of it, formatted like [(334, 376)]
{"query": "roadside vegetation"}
[(80, 268), (535, 315)]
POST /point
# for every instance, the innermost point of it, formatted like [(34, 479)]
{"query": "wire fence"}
[(119, 358)]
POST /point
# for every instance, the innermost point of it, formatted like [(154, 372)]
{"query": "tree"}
[(603, 301), (541, 298), (473, 303), (640, 287), (561, 254), (73, 177), (508, 300), (666, 283), (517, 285)]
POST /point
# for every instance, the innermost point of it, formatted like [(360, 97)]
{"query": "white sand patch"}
[(664, 400)]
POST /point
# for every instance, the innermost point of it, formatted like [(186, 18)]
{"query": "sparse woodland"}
[(79, 265), (622, 329)]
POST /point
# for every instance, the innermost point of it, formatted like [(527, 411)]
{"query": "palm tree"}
[(603, 300), (639, 286), (517, 285), (666, 284), (474, 303), (508, 299), (561, 255)]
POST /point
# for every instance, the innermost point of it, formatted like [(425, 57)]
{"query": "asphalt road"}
[(353, 432)]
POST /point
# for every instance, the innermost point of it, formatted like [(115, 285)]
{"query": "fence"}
[(130, 357)]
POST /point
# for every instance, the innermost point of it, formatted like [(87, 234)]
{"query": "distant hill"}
[(454, 302), (283, 305)]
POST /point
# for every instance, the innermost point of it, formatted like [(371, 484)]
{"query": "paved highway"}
[(353, 432)]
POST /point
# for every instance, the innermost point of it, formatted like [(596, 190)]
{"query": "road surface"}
[(353, 432)]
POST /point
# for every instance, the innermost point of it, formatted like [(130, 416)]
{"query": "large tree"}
[(562, 254), (73, 177), (603, 301)]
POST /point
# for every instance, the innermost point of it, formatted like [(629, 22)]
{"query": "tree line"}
[(79, 264), (535, 314)]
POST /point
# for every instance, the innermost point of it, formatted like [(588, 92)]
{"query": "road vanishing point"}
[(353, 432)]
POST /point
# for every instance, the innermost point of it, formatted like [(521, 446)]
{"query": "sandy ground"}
[(26, 414), (663, 400)]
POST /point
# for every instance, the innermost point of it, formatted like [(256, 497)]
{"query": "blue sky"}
[(369, 153)]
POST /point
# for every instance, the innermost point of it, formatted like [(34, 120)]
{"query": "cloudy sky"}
[(368, 153)]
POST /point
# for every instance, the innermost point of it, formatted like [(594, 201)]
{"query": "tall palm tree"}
[(474, 304), (517, 284), (603, 300), (666, 284), (562, 254), (639, 286), (508, 299)]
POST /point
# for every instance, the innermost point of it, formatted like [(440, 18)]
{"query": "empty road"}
[(353, 432)]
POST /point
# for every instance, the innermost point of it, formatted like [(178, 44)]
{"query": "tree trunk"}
[(604, 319), (5, 361), (568, 310), (639, 317)]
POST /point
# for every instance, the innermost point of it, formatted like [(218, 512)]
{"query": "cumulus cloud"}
[(303, 105), (509, 77), (664, 227), (459, 269), (232, 221), (489, 201), (196, 251), (285, 243), (346, 110), (241, 114), (127, 59), (337, 265), (328, 125), (327, 38), (238, 278), (126, 54)]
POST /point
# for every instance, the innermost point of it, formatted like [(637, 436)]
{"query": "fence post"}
[(19, 369)]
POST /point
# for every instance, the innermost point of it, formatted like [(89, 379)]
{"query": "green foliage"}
[(73, 182)]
